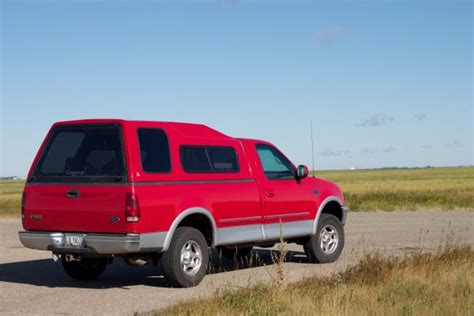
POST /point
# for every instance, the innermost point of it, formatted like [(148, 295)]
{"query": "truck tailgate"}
[(75, 208)]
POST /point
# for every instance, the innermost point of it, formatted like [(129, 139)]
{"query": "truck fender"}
[(321, 207), (183, 215)]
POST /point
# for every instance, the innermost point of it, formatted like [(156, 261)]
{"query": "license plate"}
[(75, 240)]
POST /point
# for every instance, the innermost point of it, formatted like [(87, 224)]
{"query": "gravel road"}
[(32, 283)]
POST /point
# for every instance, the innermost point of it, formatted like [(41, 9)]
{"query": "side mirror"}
[(302, 172)]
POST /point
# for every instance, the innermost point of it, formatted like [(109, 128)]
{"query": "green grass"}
[(10, 197), (419, 284), (434, 189)]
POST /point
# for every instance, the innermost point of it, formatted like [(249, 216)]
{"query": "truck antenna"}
[(312, 147)]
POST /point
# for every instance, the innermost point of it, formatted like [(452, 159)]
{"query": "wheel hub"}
[(329, 239), (191, 257)]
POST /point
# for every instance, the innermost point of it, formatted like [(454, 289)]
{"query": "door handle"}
[(73, 193), (270, 194)]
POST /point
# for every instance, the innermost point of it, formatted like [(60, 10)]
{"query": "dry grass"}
[(10, 198), (434, 189), (419, 284)]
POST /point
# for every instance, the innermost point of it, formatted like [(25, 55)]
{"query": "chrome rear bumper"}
[(94, 243)]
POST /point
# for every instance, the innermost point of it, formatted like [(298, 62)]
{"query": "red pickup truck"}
[(165, 192)]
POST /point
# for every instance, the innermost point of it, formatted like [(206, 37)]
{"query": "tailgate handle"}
[(73, 193)]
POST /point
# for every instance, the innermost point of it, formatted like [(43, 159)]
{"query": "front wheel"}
[(327, 244), (185, 262), (84, 269)]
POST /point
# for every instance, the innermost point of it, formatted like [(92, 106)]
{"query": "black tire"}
[(235, 253), (317, 253), (84, 269), (171, 259)]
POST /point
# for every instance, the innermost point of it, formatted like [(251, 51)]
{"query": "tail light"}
[(23, 199), (132, 208)]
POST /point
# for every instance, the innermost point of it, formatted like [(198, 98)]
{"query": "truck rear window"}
[(82, 153)]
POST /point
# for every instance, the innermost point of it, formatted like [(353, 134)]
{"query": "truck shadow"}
[(45, 272)]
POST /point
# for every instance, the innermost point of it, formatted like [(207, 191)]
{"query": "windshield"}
[(86, 152)]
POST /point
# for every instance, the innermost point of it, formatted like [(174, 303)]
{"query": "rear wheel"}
[(84, 269), (185, 262), (327, 244), (235, 253)]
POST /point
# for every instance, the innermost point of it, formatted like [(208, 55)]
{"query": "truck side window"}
[(223, 159), (275, 165), (194, 159), (208, 159), (154, 150)]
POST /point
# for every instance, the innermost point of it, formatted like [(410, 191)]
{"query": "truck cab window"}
[(275, 165)]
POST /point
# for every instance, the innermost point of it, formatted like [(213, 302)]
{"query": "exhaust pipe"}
[(138, 260), (71, 258)]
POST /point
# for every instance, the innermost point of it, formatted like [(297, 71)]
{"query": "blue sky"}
[(386, 83)]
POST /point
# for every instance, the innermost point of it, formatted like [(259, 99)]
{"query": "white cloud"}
[(230, 2), (454, 144), (329, 34), (420, 116), (376, 120), (368, 150), (389, 149), (334, 153)]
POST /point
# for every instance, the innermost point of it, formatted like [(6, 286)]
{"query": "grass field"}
[(435, 189), (420, 284)]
